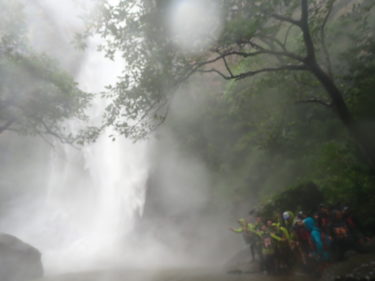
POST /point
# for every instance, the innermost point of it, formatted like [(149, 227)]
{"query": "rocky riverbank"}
[(359, 267)]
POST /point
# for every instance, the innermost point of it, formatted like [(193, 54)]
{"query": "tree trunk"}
[(342, 111), (338, 103)]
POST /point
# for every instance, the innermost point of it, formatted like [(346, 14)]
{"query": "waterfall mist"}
[(76, 205), (194, 25), (82, 207)]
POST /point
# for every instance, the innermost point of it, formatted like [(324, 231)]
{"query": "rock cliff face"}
[(18, 260)]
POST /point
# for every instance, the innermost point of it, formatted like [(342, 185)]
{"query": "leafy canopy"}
[(36, 96), (265, 36)]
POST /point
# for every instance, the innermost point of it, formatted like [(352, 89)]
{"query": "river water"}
[(172, 274)]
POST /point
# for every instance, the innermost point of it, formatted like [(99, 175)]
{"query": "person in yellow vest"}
[(242, 228), (283, 241), (248, 231), (255, 244), (268, 244)]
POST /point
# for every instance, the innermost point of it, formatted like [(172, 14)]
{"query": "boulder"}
[(18, 260)]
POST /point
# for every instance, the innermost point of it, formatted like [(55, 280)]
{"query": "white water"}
[(94, 194)]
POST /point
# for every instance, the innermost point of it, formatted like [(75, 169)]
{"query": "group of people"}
[(311, 241)]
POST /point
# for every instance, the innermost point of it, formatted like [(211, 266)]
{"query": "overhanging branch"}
[(213, 70), (59, 136), (255, 72), (197, 67), (6, 125), (270, 69), (323, 39), (276, 53), (227, 66), (317, 101), (286, 19)]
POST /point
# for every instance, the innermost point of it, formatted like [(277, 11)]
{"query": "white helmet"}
[(286, 215)]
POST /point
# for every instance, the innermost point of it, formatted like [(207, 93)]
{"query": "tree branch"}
[(227, 66), (310, 56), (271, 40), (7, 103), (60, 137), (316, 101), (270, 69), (148, 111), (195, 67), (322, 35), (261, 51), (213, 70), (277, 53), (6, 125), (255, 72), (287, 34), (46, 140), (286, 19)]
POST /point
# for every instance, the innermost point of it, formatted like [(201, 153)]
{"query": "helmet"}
[(300, 214), (286, 215)]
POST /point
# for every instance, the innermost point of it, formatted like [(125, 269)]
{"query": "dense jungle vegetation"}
[(282, 99)]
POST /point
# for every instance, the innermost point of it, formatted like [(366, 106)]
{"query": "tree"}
[(290, 34), (36, 97)]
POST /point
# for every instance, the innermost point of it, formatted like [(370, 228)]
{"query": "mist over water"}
[(91, 195), (80, 207), (99, 191)]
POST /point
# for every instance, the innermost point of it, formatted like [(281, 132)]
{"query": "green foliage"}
[(303, 197), (262, 36), (36, 96), (259, 136), (269, 132)]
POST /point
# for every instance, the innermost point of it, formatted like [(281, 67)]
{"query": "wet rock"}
[(18, 260), (356, 268)]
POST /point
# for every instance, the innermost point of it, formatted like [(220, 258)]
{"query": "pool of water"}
[(171, 275)]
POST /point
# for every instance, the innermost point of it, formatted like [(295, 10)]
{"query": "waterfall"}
[(95, 196), (95, 193), (83, 209), (87, 205)]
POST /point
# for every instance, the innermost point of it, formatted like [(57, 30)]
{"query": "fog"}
[(109, 203), (169, 200), (194, 25), (80, 201)]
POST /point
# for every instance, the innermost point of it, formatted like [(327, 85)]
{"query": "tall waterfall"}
[(94, 194)]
